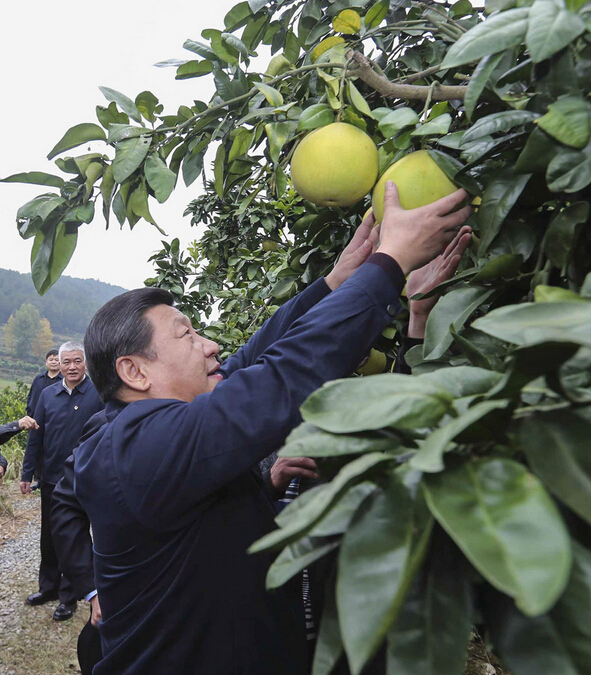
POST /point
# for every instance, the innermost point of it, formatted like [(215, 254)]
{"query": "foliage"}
[(13, 404), (461, 492), (43, 340), (22, 330)]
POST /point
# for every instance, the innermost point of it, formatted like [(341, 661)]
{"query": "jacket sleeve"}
[(7, 431), (170, 456), (276, 326), (3, 461), (70, 526), (34, 448), (32, 389)]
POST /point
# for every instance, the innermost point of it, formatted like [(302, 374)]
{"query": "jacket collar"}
[(81, 388)]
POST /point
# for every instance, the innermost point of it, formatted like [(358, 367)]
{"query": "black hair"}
[(51, 352), (120, 328)]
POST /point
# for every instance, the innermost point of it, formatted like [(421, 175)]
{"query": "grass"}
[(7, 383)]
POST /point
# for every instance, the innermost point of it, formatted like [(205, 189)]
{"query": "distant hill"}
[(69, 304)]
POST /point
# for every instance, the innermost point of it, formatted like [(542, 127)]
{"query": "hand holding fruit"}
[(414, 237)]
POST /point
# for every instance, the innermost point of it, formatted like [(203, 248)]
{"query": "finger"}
[(306, 462), (456, 219), (361, 233), (391, 199), (452, 246), (446, 204), (300, 472), (458, 245), (374, 237)]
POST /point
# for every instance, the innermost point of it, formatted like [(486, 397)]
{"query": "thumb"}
[(391, 199)]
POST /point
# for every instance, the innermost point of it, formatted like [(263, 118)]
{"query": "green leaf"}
[(568, 120), (50, 256), (560, 235), (35, 178), (551, 28), (454, 308), (110, 115), (192, 166), (462, 381), (238, 16), (200, 48), (364, 403), (480, 78), (396, 120), (129, 155), (339, 518), (507, 526), (533, 323), (296, 557), (502, 121), (160, 178), (543, 293), (439, 126), (241, 143), (570, 170), (137, 203), (223, 50), (317, 115), (148, 105), (499, 198), (80, 214), (376, 14), (347, 22), (537, 153), (356, 98), (429, 458), (77, 135), (278, 134), (505, 265), (374, 553), (108, 186), (218, 170), (430, 635), (193, 69), (273, 96), (119, 132), (300, 520), (557, 447), (125, 103), (499, 32), (308, 441), (233, 43), (453, 169)]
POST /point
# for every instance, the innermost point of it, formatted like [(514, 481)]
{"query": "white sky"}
[(54, 56)]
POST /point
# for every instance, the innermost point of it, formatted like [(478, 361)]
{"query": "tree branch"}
[(364, 71)]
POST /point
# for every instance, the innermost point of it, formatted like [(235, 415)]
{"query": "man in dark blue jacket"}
[(61, 413), (40, 382), (171, 483), (7, 431)]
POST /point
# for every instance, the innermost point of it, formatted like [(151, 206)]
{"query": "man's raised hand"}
[(415, 237)]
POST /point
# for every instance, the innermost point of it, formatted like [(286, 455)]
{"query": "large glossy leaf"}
[(192, 69), (570, 170), (537, 153), (309, 441), (35, 178), (502, 121), (129, 155), (430, 635), (438, 126), (374, 554), (296, 557), (497, 33), (499, 198), (50, 256), (568, 120), (507, 526), (561, 232), (557, 446), (302, 520), (160, 178), (278, 134), (364, 403), (317, 115), (339, 518), (77, 135), (396, 120), (551, 27), (124, 102), (454, 308), (529, 324), (462, 381), (479, 80), (429, 458)]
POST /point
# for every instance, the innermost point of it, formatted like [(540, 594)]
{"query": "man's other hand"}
[(25, 487), (358, 250), (287, 468), (95, 608), (414, 237), (1, 472), (27, 423)]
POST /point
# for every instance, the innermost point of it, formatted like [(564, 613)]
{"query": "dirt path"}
[(31, 642)]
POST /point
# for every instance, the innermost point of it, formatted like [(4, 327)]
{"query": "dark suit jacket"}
[(39, 383), (70, 525), (7, 431), (174, 502)]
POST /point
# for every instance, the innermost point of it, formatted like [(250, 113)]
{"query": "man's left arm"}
[(34, 446)]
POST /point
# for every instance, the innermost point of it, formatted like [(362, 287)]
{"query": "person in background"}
[(7, 431), (61, 413)]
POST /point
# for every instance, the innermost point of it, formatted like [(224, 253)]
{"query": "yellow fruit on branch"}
[(374, 364), (419, 181), (335, 165)]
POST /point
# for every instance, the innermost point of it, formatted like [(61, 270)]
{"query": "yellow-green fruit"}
[(419, 181), (270, 245), (335, 165), (375, 364)]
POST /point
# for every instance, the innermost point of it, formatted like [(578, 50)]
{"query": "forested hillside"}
[(69, 304)]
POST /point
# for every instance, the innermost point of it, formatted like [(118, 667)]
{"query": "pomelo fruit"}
[(270, 245), (335, 165), (375, 364), (419, 181)]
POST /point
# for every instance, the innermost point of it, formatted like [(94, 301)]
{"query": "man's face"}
[(184, 365), (73, 367), (52, 363)]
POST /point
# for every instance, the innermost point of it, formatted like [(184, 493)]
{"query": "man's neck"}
[(53, 373)]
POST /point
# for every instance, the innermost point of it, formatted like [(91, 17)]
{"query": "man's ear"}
[(132, 371)]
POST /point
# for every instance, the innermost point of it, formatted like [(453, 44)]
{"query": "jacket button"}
[(392, 310)]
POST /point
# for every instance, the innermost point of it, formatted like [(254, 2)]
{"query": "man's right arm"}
[(34, 446)]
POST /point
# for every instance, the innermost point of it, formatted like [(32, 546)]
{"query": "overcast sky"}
[(54, 57)]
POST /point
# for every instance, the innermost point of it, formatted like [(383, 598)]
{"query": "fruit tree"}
[(460, 495)]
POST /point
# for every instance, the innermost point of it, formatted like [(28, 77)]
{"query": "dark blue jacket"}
[(40, 382), (174, 501), (61, 418)]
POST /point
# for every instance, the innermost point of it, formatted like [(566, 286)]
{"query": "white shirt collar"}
[(65, 386)]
